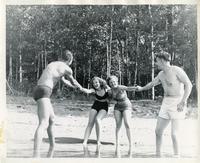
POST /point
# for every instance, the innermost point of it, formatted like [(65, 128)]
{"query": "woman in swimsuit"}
[(99, 108), (122, 110)]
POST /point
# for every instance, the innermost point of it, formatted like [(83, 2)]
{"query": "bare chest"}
[(169, 79)]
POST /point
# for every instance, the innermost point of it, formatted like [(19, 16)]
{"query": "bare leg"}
[(127, 122), (118, 119), (86, 152), (50, 132), (101, 114), (174, 133), (43, 115), (92, 116), (160, 126)]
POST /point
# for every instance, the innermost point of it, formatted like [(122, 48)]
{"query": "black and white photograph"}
[(101, 81)]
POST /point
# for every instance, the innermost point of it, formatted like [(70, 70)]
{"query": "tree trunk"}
[(84, 75), (127, 59), (123, 52), (152, 51), (75, 69), (170, 29), (20, 68), (119, 62), (38, 67), (108, 60), (45, 54), (42, 60), (20, 58), (109, 48), (89, 68), (16, 70), (10, 67), (75, 63)]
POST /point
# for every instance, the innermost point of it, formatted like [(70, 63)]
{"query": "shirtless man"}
[(177, 88), (51, 75)]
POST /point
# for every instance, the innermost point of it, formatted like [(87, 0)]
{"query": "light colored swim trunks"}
[(168, 108)]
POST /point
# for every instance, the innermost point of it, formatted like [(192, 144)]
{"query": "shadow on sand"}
[(71, 140)]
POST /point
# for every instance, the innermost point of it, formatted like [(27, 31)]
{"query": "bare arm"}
[(74, 82), (88, 91), (153, 83), (128, 88), (67, 82), (183, 78)]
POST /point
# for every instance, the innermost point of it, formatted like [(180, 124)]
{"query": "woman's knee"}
[(118, 125), (98, 121), (127, 125), (90, 124)]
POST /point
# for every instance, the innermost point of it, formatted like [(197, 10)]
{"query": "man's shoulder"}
[(160, 73), (55, 63), (174, 67), (60, 66), (177, 69)]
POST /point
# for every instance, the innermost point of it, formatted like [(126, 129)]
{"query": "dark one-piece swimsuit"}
[(98, 104)]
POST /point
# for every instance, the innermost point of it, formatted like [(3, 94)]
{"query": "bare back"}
[(172, 84), (53, 72)]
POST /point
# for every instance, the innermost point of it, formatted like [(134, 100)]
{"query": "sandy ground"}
[(69, 131)]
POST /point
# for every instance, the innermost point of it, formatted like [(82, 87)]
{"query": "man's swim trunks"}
[(41, 91)]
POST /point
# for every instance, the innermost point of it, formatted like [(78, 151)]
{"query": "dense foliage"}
[(105, 39)]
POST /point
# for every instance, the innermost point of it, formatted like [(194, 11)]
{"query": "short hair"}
[(111, 77), (67, 56), (163, 55), (102, 82)]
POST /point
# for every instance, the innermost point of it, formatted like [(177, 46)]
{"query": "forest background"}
[(104, 39)]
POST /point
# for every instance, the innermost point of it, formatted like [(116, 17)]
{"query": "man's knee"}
[(44, 124), (158, 132), (51, 121), (174, 134)]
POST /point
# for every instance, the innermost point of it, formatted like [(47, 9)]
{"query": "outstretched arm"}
[(70, 78), (67, 82), (153, 83), (88, 91), (128, 88), (71, 82)]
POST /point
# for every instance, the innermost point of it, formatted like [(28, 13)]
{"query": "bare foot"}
[(36, 154), (158, 155), (50, 152), (98, 149), (117, 153), (176, 156), (130, 153), (85, 149)]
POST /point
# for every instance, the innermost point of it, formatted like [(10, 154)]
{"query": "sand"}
[(69, 131)]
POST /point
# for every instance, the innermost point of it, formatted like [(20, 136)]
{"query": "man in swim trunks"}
[(50, 76), (177, 88)]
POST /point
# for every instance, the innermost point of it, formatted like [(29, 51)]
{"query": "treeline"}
[(105, 39)]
